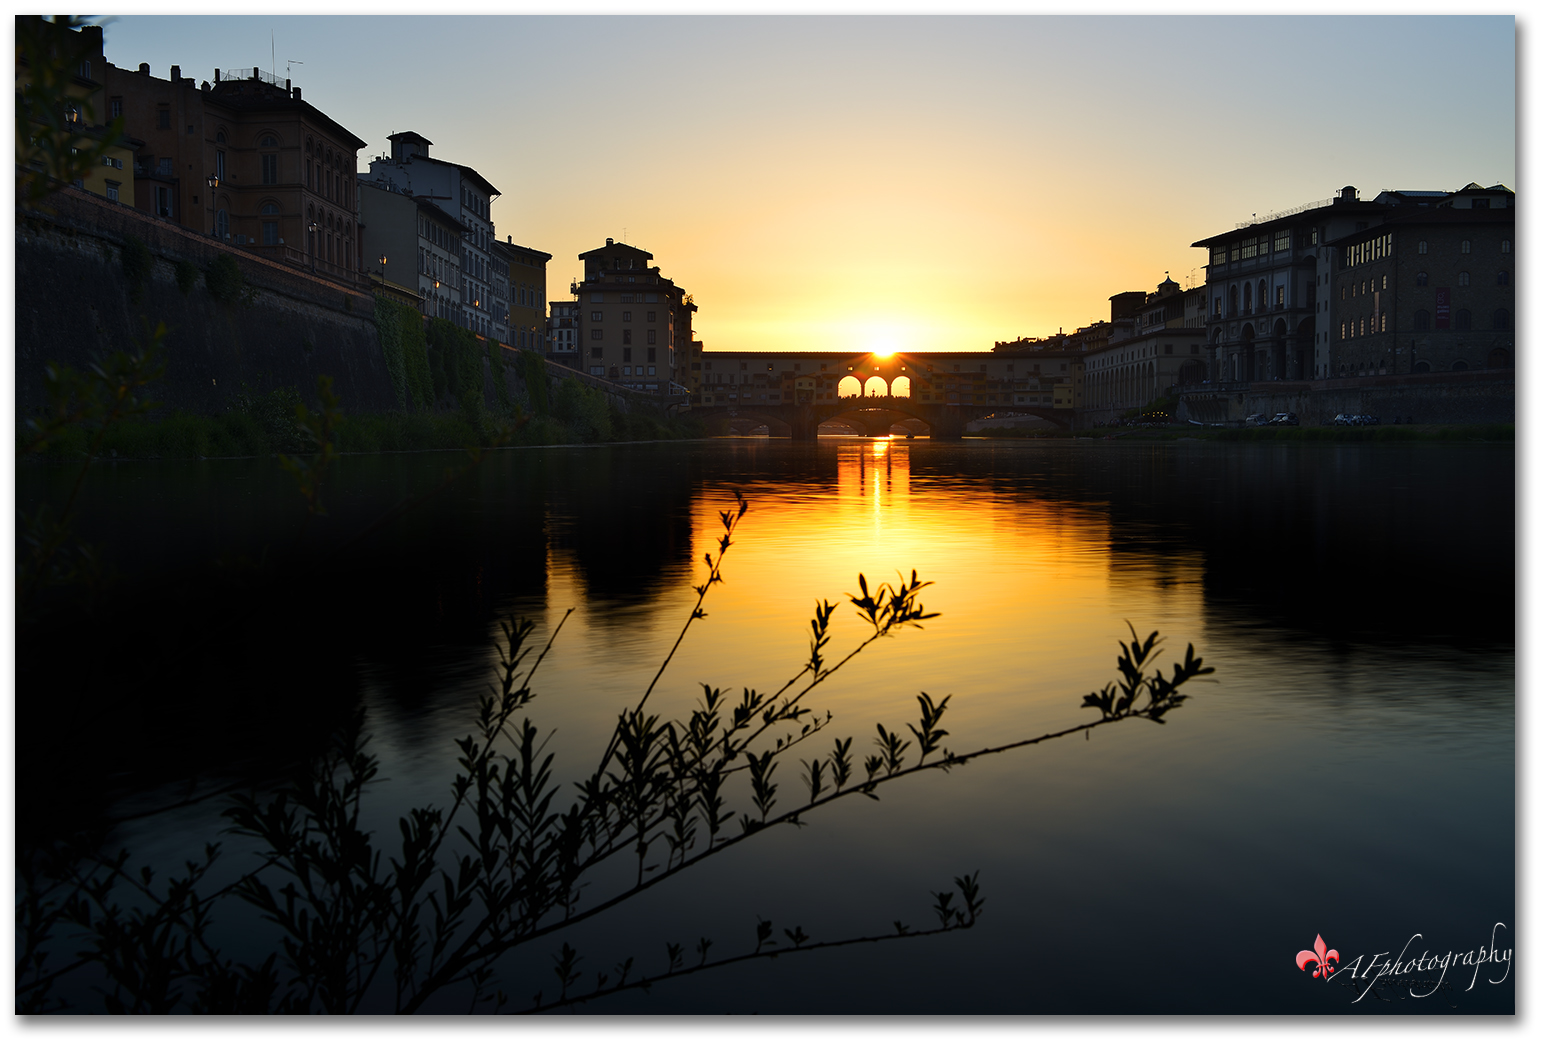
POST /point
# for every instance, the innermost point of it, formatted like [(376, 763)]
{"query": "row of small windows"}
[(1465, 247), (1503, 279), (1460, 321)]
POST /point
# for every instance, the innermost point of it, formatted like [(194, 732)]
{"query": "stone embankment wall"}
[(1484, 396), (74, 304)]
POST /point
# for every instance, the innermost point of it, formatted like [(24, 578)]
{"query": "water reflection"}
[(1357, 602)]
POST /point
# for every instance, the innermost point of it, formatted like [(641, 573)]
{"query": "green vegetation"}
[(137, 264), (225, 283), (187, 275)]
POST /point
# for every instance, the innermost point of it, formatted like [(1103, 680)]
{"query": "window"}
[(1423, 321), (1506, 247), (651, 315), (597, 333), (1383, 321), (271, 233), (163, 202), (1504, 278), (164, 167), (1280, 295), (1283, 240), (1464, 248), (628, 316), (627, 339), (597, 351), (164, 117), (222, 224), (271, 165), (116, 109), (651, 355), (626, 352), (1420, 279), (1420, 247), (1218, 256), (1464, 321), (597, 315), (113, 190), (220, 164), (651, 335), (1500, 320), (1464, 279)]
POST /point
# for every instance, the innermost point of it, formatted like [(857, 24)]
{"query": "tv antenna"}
[(289, 62)]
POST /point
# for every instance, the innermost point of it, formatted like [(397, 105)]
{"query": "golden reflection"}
[(1027, 583)]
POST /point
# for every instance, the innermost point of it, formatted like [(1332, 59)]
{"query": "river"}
[(1348, 772)]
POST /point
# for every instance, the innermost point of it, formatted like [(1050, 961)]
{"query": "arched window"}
[(222, 224), (1501, 320), (1420, 279), (1460, 366), (1504, 278), (850, 386), (1232, 301), (876, 386), (1264, 296), (1421, 366), (1463, 278), (1498, 358), (269, 208), (1464, 321), (220, 137), (1420, 248), (901, 387), (309, 146), (268, 142), (1423, 321), (1464, 248)]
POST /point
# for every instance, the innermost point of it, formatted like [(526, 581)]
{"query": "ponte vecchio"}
[(796, 392)]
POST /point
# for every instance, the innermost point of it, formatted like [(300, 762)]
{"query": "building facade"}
[(630, 318), (87, 119), (466, 196), (1267, 305), (245, 160), (529, 289), (563, 332), (1430, 289), (414, 244)]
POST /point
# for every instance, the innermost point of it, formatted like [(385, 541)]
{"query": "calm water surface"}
[(1349, 772)]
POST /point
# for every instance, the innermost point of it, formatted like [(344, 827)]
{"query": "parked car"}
[(1256, 420), (1343, 420), (1284, 419)]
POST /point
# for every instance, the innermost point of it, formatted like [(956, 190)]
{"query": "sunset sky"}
[(931, 182)]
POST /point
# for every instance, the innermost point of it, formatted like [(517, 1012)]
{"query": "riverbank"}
[(267, 425), (1341, 435)]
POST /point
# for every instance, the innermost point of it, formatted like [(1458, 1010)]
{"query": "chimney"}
[(145, 67), (177, 74), (296, 94), (610, 242), (287, 85), (217, 76)]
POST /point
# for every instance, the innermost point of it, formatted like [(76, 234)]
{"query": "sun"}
[(883, 350)]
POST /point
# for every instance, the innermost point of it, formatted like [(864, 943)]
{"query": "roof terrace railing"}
[(252, 73)]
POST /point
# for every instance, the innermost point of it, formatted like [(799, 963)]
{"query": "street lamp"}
[(212, 180), (312, 244)]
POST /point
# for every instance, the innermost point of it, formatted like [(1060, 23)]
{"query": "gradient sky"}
[(931, 182)]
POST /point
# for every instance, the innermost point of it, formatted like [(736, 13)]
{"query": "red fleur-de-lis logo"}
[(1321, 955)]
